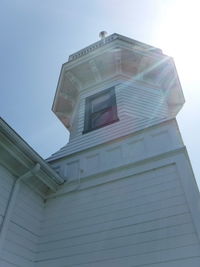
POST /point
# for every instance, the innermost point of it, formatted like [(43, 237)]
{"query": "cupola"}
[(112, 56)]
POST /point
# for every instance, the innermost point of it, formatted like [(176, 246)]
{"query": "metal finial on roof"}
[(103, 34)]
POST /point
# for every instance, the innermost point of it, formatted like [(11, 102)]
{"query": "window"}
[(100, 110)]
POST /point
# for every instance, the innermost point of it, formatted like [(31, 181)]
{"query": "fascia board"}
[(27, 153)]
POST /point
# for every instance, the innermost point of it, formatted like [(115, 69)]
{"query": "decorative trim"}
[(110, 39)]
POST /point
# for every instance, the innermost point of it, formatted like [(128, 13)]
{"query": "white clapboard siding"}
[(6, 186), (21, 251), (17, 260), (21, 244), (117, 207), (141, 231), (167, 256), (7, 263), (105, 134), (132, 221), (118, 214), (128, 186), (91, 207), (125, 240), (138, 108), (22, 237)]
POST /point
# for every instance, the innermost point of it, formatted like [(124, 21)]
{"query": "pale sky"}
[(38, 36)]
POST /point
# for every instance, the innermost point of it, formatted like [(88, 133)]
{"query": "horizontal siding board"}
[(6, 263), (150, 101), (27, 211), (16, 259), (132, 101), (21, 251), (190, 262), (28, 195), (110, 216), (137, 255), (113, 198), (138, 94), (35, 208), (146, 90), (113, 207), (194, 262), (31, 203), (131, 183), (21, 238), (77, 145), (140, 247), (134, 112), (125, 240), (131, 195), (97, 208), (26, 222), (32, 210), (144, 229), (138, 123), (151, 216), (145, 104), (103, 134), (24, 232), (107, 206), (135, 98), (149, 258), (92, 215)]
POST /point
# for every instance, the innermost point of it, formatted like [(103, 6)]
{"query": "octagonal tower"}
[(146, 91), (130, 197)]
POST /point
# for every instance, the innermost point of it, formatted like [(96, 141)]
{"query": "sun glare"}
[(180, 37)]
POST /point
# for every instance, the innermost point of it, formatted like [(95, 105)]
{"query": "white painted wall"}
[(137, 204), (134, 216), (20, 246), (147, 143)]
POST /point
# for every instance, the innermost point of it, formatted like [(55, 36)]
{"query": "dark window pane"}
[(100, 103), (100, 110), (101, 118)]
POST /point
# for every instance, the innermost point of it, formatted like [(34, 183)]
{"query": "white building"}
[(122, 191)]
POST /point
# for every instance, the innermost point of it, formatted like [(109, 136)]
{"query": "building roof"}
[(18, 157)]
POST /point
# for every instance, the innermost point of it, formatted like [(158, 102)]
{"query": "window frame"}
[(89, 114)]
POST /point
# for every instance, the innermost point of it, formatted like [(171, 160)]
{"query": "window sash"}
[(93, 113)]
